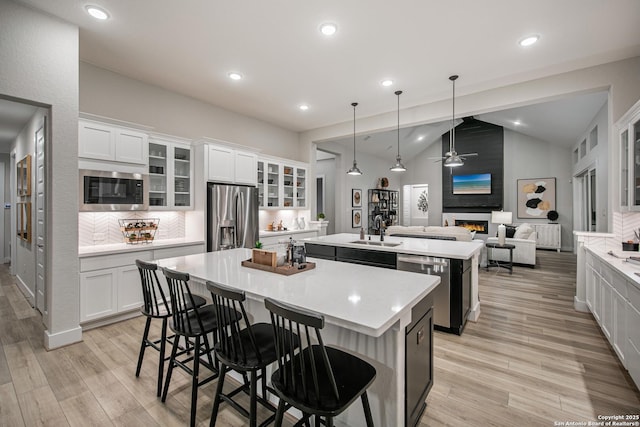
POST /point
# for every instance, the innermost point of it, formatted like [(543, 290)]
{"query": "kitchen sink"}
[(375, 243)]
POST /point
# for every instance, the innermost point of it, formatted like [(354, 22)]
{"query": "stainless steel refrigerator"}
[(232, 216)]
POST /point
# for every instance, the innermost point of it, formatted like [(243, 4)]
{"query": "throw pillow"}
[(510, 231), (523, 231)]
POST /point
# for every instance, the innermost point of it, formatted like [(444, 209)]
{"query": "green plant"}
[(320, 216), (258, 244)]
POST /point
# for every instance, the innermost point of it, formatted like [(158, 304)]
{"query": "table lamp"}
[(502, 218)]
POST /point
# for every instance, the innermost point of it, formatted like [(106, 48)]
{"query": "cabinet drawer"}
[(367, 257), (179, 251), (117, 260), (320, 251), (633, 294)]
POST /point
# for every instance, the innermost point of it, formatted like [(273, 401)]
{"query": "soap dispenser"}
[(361, 233)]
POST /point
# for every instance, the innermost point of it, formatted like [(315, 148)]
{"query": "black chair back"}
[(155, 301), (185, 316), (230, 346), (289, 321)]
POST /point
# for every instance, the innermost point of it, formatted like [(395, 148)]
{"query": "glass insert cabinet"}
[(170, 185), (281, 185), (629, 143)]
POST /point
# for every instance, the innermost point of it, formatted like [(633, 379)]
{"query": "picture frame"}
[(23, 178), (356, 218), (536, 197), (356, 197)]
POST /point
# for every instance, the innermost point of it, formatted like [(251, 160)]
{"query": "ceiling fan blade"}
[(437, 161), (467, 155), (434, 158)]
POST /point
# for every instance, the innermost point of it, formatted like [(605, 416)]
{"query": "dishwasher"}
[(452, 297)]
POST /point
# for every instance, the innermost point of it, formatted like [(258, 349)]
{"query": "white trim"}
[(579, 305), (60, 339), (28, 294), (474, 314)]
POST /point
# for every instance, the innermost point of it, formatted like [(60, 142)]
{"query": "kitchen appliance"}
[(452, 297), (113, 191), (232, 216)]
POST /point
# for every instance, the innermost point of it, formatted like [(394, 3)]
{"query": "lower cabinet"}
[(110, 284)]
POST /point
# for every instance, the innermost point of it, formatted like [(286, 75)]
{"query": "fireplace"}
[(479, 226)]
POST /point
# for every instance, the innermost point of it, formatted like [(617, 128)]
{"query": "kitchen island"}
[(383, 316), (456, 300)]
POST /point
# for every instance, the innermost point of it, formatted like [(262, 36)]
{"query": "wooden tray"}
[(285, 269)]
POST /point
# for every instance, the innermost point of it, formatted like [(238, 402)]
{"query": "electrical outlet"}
[(98, 237)]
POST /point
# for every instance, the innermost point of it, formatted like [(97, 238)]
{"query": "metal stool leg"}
[(143, 346)]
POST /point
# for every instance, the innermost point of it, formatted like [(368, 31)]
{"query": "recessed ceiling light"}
[(97, 12), (303, 107), (386, 82), (420, 138), (517, 122), (328, 28), (235, 76), (529, 40)]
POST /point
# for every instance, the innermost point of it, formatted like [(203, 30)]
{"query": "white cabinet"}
[(229, 165), (100, 141), (110, 284), (170, 174), (282, 184), (628, 129), (548, 236)]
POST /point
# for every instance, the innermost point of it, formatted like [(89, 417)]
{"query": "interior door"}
[(41, 301)]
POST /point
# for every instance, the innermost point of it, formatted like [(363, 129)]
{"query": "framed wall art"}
[(356, 198), (536, 197), (356, 218)]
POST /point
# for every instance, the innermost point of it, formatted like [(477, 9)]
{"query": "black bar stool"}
[(156, 306), (244, 348), (317, 380), (193, 324)]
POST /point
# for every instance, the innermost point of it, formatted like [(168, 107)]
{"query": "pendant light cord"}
[(354, 131), (399, 93), (452, 134)]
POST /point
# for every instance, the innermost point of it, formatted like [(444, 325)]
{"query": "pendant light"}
[(354, 169), (398, 167), (453, 160)]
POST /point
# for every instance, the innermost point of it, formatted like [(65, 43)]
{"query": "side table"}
[(493, 246)]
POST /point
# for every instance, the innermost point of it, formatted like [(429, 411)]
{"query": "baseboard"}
[(580, 305), (60, 339), (474, 314), (30, 296)]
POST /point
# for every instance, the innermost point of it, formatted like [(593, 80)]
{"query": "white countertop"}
[(265, 233), (408, 245), (365, 299), (117, 248), (627, 269)]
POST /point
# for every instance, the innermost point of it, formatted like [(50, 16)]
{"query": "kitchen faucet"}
[(378, 224)]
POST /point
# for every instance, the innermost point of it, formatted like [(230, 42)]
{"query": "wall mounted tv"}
[(479, 183)]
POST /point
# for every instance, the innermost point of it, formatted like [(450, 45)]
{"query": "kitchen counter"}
[(384, 315), (119, 248), (406, 245), (627, 269), (265, 233)]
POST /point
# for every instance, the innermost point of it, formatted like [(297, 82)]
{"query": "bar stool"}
[(156, 306), (193, 324), (247, 348), (318, 380)]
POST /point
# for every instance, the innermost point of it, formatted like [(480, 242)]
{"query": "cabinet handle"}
[(420, 335)]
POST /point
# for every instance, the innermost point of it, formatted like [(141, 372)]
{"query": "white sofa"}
[(460, 234), (524, 253)]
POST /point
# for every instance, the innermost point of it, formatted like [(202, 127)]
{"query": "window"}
[(593, 138)]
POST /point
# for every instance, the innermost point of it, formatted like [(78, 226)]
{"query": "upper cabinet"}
[(231, 165), (101, 141), (170, 174), (629, 155), (281, 184)]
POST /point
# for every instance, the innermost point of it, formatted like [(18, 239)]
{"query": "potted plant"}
[(320, 216)]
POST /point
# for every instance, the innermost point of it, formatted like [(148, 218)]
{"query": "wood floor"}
[(529, 361)]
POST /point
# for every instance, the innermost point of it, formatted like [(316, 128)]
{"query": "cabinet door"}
[(589, 287), (632, 351), (597, 297), (96, 141), (131, 147), (158, 175), (606, 309), (634, 134), (619, 333), (288, 186), (98, 294), (301, 187), (221, 164), (273, 185), (245, 165), (624, 169), (182, 186), (129, 289)]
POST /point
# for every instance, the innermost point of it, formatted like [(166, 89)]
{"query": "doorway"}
[(587, 190)]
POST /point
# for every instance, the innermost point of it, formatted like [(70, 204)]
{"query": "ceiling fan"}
[(452, 158)]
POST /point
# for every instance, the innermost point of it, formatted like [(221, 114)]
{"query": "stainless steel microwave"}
[(113, 191)]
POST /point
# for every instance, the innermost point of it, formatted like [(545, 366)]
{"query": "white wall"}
[(39, 63), (6, 160), (113, 95), (327, 167), (526, 157)]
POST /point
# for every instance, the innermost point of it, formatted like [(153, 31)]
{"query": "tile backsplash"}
[(102, 228), (624, 223)]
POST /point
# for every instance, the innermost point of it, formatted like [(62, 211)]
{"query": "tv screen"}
[(479, 183)]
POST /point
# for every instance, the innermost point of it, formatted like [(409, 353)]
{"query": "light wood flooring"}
[(529, 361)]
